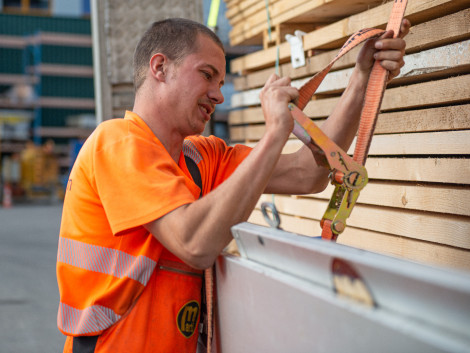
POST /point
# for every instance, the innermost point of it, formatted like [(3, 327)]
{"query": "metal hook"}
[(275, 221)]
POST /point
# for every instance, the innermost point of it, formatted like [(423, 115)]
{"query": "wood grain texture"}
[(412, 224), (433, 63), (448, 199), (401, 247), (441, 31), (332, 36)]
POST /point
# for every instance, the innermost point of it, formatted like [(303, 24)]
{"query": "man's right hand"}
[(275, 97)]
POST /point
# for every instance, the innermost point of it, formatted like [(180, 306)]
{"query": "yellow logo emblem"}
[(188, 318)]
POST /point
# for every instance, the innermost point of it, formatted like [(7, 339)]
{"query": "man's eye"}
[(207, 75)]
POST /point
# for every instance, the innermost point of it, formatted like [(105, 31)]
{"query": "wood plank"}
[(333, 35), (414, 250), (447, 199), (246, 9), (230, 3), (426, 170), (429, 170), (251, 97), (253, 23), (247, 133), (246, 116), (243, 7), (297, 225), (448, 91), (379, 147), (453, 90), (331, 13), (402, 247), (456, 117), (434, 63), (446, 230), (298, 11), (313, 65), (433, 143), (412, 224), (444, 30)]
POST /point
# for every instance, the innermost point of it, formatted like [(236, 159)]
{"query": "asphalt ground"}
[(29, 295)]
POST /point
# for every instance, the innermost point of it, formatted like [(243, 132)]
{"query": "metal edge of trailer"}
[(280, 295)]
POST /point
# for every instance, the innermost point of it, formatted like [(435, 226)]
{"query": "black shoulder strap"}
[(84, 344), (194, 171)]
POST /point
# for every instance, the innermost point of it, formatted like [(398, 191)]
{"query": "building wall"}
[(46, 70), (117, 26)]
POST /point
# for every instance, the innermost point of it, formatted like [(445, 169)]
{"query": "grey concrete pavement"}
[(28, 291)]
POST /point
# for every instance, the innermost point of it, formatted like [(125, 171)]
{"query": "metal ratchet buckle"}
[(348, 176)]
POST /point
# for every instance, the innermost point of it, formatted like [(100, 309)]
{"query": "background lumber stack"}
[(248, 18), (417, 202)]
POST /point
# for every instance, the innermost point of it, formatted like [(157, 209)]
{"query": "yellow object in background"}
[(213, 14)]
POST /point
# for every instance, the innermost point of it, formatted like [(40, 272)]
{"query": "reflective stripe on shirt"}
[(105, 260), (191, 151), (92, 319)]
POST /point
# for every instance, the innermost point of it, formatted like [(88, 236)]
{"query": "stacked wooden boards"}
[(249, 18), (417, 202)]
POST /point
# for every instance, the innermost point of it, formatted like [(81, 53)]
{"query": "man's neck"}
[(161, 127)]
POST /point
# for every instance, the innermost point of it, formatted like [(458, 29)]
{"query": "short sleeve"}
[(137, 182), (218, 161)]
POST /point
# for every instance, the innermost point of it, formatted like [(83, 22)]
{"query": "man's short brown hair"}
[(174, 37)]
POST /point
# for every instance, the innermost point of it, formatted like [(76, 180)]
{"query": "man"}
[(137, 231)]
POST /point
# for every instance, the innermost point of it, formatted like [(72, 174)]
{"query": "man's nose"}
[(216, 96)]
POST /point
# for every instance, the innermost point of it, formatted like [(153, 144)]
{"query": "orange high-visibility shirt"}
[(115, 279)]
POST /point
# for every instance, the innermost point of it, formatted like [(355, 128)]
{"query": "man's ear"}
[(158, 64)]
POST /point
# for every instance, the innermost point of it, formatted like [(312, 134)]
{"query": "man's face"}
[(195, 85)]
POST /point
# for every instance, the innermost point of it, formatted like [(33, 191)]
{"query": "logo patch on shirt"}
[(188, 318)]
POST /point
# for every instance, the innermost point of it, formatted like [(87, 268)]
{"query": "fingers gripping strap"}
[(307, 91), (375, 91)]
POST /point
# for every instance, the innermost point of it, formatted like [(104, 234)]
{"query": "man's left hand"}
[(388, 50)]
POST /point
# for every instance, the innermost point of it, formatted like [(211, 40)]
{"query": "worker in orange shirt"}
[(137, 230)]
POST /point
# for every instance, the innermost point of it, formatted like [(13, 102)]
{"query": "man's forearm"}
[(298, 173), (342, 124), (197, 232)]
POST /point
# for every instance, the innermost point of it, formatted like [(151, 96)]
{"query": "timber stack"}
[(417, 202)]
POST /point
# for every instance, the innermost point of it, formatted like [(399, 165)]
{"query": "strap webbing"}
[(374, 92), (208, 291)]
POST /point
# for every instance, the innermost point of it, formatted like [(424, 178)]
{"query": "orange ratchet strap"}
[(347, 174)]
